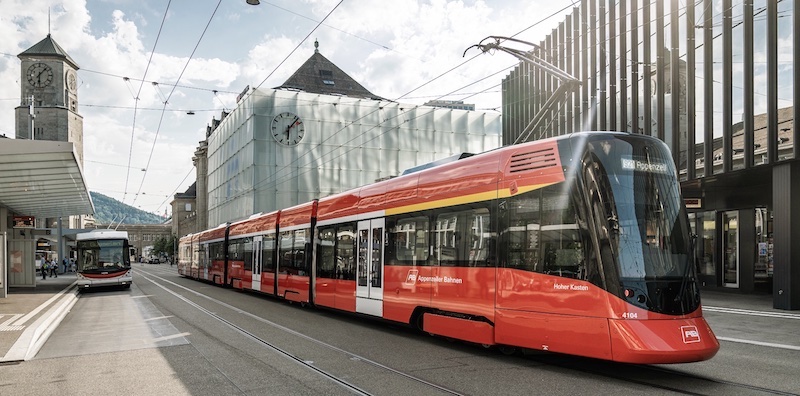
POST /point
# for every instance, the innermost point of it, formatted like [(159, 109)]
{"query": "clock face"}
[(40, 75), (72, 81), (288, 129)]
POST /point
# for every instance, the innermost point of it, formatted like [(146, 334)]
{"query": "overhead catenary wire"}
[(268, 178), (136, 100), (176, 85), (166, 102)]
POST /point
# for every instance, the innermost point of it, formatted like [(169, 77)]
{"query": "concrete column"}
[(3, 253), (786, 233)]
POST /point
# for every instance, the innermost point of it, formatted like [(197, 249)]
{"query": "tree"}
[(165, 246)]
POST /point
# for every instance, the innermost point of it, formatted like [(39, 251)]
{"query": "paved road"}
[(163, 338)]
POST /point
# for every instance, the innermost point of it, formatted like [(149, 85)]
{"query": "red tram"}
[(578, 244)]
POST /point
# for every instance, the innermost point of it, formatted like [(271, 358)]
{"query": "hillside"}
[(108, 209)]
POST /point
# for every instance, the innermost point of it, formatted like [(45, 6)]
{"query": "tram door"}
[(730, 249), (257, 241), (369, 267)]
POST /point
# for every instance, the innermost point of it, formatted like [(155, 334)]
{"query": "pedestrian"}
[(54, 269), (44, 269), (64, 262), (72, 264)]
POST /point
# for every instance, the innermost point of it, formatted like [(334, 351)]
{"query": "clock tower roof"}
[(48, 47)]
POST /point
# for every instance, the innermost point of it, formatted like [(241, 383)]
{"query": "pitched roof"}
[(190, 192), (319, 75), (48, 47)]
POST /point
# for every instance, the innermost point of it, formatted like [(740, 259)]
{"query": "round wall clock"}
[(72, 81), (288, 129), (40, 75)]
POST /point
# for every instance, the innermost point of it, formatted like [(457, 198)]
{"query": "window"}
[(268, 253), (326, 253), (335, 252), (187, 207), (408, 241), (327, 77), (463, 238), (541, 234), (522, 233), (236, 250), (247, 252), (216, 251), (292, 252), (562, 246), (345, 247)]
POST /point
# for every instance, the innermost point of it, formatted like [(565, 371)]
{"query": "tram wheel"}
[(507, 350)]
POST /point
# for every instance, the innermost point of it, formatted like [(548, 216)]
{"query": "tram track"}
[(348, 385), (658, 379)]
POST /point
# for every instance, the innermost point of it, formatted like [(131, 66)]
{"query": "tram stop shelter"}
[(38, 180)]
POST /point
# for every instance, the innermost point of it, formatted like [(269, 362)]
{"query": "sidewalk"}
[(29, 314), (754, 302)]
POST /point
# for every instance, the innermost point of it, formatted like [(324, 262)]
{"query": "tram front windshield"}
[(102, 255), (636, 203)]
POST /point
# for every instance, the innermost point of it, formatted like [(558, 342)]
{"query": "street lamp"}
[(253, 2)]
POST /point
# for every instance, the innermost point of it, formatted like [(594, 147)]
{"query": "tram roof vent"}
[(532, 160)]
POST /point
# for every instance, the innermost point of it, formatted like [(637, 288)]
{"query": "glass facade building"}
[(716, 81), (346, 143)]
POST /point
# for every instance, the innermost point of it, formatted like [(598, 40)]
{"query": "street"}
[(170, 335)]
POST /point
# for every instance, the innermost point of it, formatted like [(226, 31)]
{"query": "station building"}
[(717, 82)]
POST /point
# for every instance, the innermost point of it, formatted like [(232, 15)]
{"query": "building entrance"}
[(730, 249)]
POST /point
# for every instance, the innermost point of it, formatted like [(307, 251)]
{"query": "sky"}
[(195, 56)]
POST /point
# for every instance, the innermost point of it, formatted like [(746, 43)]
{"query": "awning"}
[(42, 179)]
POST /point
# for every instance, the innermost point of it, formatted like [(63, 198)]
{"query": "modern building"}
[(450, 104), (322, 133), (717, 82)]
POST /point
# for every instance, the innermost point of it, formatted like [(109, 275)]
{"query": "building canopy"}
[(42, 179)]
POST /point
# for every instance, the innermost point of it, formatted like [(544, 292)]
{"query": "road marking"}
[(760, 343), (749, 312), (7, 326)]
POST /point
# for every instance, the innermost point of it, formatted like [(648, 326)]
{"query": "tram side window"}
[(247, 253), (562, 244), (302, 252), (285, 254), (293, 252), (345, 256), (216, 251), (522, 232), (463, 238), (407, 241), (267, 253), (236, 250), (326, 252), (199, 255)]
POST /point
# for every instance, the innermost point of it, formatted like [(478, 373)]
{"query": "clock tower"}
[(48, 107)]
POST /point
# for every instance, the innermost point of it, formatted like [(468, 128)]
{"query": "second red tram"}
[(578, 244)]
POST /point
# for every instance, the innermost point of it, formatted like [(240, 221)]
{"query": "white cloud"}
[(389, 47)]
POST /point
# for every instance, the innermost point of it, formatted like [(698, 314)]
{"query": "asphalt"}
[(28, 316)]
